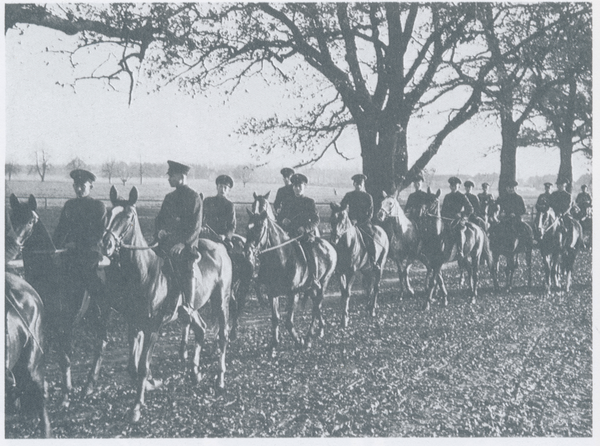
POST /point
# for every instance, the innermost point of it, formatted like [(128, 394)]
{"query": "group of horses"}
[(136, 285)]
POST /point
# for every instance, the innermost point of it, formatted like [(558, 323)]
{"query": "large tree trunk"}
[(508, 155), (565, 170), (384, 154)]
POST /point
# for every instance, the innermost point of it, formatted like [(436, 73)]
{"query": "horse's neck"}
[(143, 261), (40, 239), (400, 219)]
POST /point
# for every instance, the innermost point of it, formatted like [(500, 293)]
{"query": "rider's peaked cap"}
[(562, 180), (287, 172), (224, 179), (485, 184), (548, 184), (469, 183), (454, 180), (81, 176), (298, 178), (175, 168), (359, 177), (418, 177), (512, 183)]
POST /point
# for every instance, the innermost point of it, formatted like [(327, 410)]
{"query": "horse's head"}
[(389, 207), (543, 221), (493, 212), (261, 204), (122, 220), (339, 221), (430, 204), (256, 235), (23, 218)]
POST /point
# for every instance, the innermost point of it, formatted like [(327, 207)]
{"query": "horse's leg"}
[(317, 316), (289, 322), (568, 267), (199, 328), (135, 351), (223, 340), (185, 335), (135, 368), (101, 341), (474, 276), (35, 369), (65, 342), (375, 279), (274, 324), (510, 270), (407, 286), (547, 273), (346, 280), (528, 259), (149, 340), (435, 279)]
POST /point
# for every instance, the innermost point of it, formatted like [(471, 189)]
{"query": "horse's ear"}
[(32, 203), (267, 195), (437, 194), (384, 194), (133, 196), (249, 213), (113, 195), (14, 201), (255, 196), (428, 190), (332, 205)]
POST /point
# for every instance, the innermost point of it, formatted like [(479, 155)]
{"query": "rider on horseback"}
[(79, 230), (458, 208), (560, 201), (412, 208), (360, 212), (475, 216), (485, 199), (584, 202), (512, 208), (178, 226), (543, 200), (219, 214), (284, 193), (299, 217)]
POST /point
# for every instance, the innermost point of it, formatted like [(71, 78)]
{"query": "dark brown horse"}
[(138, 279), (405, 240), (281, 266), (24, 320), (353, 257), (559, 245), (44, 270), (509, 238), (24, 348), (440, 247)]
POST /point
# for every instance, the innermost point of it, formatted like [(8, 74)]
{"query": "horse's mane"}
[(263, 204), (398, 213), (40, 240)]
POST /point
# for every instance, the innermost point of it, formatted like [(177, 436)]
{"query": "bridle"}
[(118, 239), (344, 228), (254, 247)]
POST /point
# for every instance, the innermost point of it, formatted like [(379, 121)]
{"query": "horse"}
[(509, 239), (353, 256), (24, 319), (557, 256), (280, 264), (44, 270), (585, 219), (404, 237), (138, 278), (439, 248), (24, 348)]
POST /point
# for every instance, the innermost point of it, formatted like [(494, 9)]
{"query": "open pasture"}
[(513, 364)]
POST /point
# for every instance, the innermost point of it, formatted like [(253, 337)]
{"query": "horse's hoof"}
[(88, 390), (153, 384), (321, 333), (66, 402), (198, 377), (136, 414), (308, 344), (345, 322)]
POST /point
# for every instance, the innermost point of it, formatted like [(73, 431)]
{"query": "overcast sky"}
[(95, 123)]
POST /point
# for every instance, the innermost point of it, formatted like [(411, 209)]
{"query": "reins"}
[(287, 242), (13, 304)]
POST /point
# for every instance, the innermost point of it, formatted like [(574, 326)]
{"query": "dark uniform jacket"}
[(302, 213), (454, 204), (474, 203), (360, 206), (485, 199), (560, 201), (181, 216), (82, 222), (512, 204), (583, 201), (414, 202), (219, 215), (543, 201), (284, 194)]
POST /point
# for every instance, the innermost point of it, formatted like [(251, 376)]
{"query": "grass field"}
[(512, 365)]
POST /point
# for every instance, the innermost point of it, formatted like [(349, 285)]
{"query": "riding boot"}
[(188, 289), (373, 255), (311, 261), (460, 244)]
